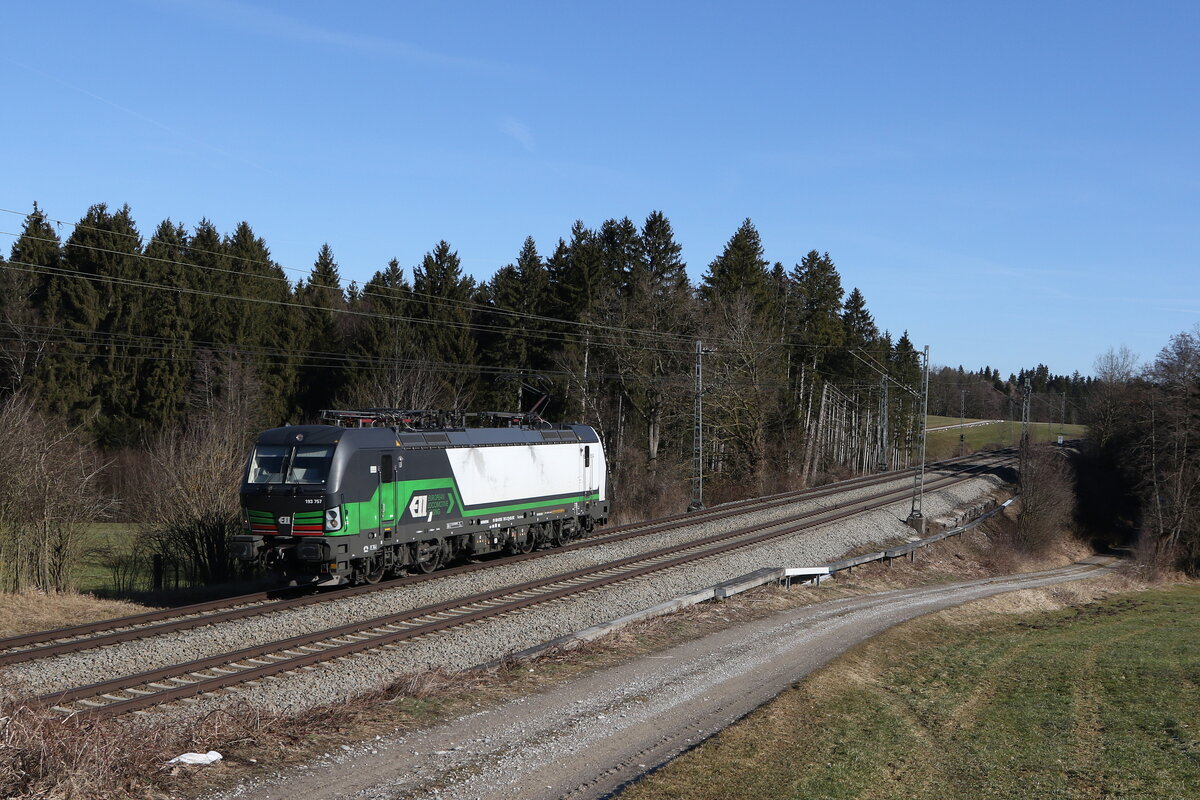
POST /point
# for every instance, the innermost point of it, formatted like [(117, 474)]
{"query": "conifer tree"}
[(665, 278), (208, 266), (860, 325), (166, 330), (323, 302), (622, 251), (388, 293), (739, 311), (118, 255), (36, 256), (906, 362), (383, 345), (781, 300), (516, 342), (739, 269), (862, 337), (441, 304), (655, 298), (266, 332), (817, 323), (583, 290), (535, 295), (579, 276), (37, 253), (96, 304)]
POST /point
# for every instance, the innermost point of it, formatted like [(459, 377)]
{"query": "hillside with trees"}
[(1144, 421)]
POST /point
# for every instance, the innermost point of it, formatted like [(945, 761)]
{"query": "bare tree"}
[(1147, 423), (1171, 453), (49, 496), (190, 480), (1047, 498), (399, 382), (745, 375), (1108, 401), (190, 494)]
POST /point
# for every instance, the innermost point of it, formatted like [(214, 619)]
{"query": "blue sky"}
[(1012, 182)]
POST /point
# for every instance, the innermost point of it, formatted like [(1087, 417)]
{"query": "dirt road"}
[(589, 737)]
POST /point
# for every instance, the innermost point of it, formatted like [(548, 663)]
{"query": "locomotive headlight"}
[(333, 519)]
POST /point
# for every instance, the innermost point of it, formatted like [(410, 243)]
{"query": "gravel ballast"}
[(477, 643)]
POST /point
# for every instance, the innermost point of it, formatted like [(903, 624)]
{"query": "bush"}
[(1047, 498)]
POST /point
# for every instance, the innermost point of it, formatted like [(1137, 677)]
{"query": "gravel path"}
[(591, 736)]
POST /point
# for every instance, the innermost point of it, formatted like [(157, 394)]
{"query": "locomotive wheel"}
[(537, 535), (375, 568), (530, 540), (429, 556), (516, 546)]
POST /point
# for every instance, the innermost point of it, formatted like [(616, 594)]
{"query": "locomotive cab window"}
[(587, 456), (266, 466), (279, 463), (310, 464)]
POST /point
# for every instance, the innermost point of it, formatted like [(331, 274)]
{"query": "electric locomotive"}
[(386, 491)]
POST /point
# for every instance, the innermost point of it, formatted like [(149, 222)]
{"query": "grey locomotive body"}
[(332, 504)]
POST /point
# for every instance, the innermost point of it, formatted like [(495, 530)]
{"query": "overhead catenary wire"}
[(438, 302), (265, 356), (270, 263), (602, 334), (432, 299), (597, 331)]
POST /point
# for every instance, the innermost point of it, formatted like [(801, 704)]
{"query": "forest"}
[(140, 366)]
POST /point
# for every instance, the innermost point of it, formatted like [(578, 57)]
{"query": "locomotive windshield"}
[(310, 464), (304, 464)]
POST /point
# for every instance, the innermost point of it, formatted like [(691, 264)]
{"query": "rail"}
[(66, 640), (135, 692), (751, 580)]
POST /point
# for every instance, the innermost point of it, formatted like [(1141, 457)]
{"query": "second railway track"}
[(44, 644), (173, 683)]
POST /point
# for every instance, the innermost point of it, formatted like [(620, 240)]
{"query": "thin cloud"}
[(1165, 303), (138, 115), (518, 131), (281, 26)]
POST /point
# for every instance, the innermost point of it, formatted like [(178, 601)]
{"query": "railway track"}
[(44, 644), (169, 684)]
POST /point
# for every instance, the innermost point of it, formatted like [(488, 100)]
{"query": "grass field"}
[(941, 444), (104, 539), (935, 421), (1097, 701)]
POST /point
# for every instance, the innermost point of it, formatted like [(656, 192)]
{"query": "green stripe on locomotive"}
[(443, 501)]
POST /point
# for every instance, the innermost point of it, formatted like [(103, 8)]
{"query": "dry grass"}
[(44, 755), (1048, 598), (978, 553), (41, 756), (1064, 692), (26, 612)]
